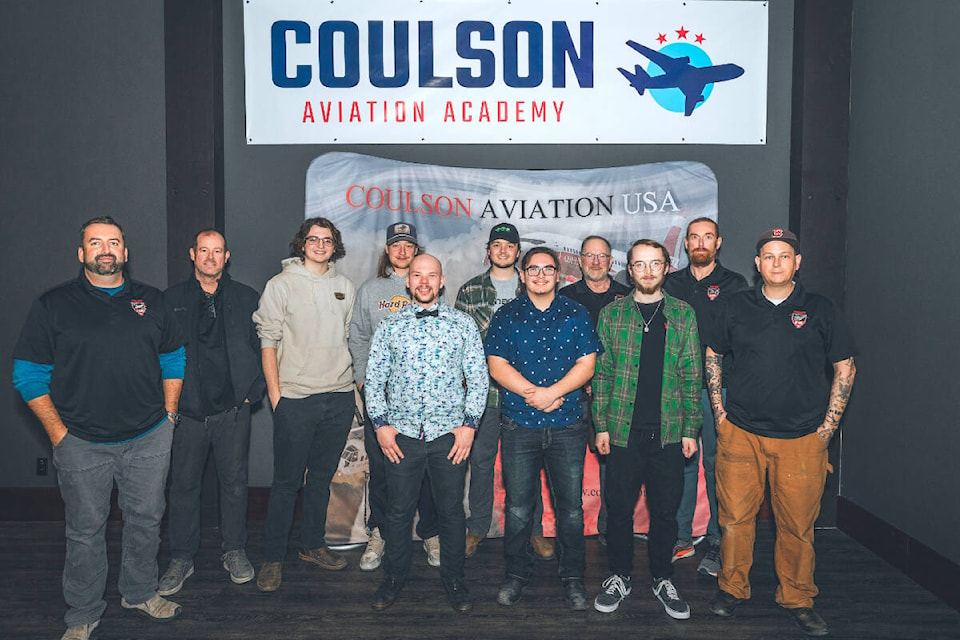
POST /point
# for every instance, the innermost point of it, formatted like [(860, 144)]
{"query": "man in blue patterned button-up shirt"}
[(426, 389)]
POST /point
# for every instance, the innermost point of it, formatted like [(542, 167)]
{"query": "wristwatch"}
[(174, 417)]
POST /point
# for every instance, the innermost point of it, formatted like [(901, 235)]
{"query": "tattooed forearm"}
[(713, 369), (843, 374)]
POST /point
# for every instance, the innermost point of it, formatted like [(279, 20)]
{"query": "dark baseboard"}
[(917, 561)]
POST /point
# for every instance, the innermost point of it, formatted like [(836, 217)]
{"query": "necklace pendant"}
[(646, 328)]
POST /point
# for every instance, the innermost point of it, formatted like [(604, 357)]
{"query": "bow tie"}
[(425, 313)]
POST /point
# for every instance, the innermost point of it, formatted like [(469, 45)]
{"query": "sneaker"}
[(809, 621), (157, 608), (174, 577), (510, 591), (457, 595), (683, 549), (698, 539), (667, 594), (710, 565), (373, 554), (431, 546), (724, 604), (324, 558), (236, 562), (386, 594), (473, 543), (543, 548), (615, 589), (80, 632), (575, 594), (271, 574)]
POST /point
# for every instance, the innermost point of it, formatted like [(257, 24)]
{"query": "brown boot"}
[(542, 547), (472, 543)]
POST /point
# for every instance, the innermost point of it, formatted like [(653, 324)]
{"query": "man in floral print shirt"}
[(426, 389)]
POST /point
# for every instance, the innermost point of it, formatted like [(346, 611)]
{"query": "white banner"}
[(476, 71), (454, 209)]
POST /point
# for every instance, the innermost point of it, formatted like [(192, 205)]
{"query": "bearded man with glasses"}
[(541, 349)]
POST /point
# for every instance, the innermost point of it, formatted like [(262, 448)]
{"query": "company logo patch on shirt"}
[(799, 318), (139, 306), (713, 291), (339, 295)]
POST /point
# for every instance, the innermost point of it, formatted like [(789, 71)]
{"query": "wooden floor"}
[(860, 597)]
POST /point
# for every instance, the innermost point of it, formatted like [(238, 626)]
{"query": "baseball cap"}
[(505, 231), (778, 233), (401, 231)]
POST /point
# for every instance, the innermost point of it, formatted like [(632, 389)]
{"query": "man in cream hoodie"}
[(303, 322)]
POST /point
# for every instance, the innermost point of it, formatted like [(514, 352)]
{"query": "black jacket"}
[(243, 345)]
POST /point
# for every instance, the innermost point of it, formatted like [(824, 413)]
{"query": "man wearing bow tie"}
[(426, 389)]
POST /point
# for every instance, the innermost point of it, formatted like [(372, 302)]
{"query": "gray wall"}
[(265, 184), (81, 134), (901, 438)]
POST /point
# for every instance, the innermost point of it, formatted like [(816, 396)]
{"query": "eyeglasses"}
[(535, 270), (595, 256), (318, 240), (640, 265)]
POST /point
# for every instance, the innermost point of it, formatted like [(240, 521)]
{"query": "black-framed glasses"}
[(318, 240), (535, 270)]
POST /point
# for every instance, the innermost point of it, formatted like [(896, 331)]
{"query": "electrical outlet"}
[(41, 466)]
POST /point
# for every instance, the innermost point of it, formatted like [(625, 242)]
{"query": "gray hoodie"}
[(306, 318)]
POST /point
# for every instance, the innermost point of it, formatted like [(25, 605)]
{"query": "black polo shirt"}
[(706, 297), (105, 351), (783, 354)]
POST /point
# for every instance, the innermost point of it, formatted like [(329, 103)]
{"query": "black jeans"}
[(404, 480), (660, 468), (229, 435), (377, 487), (308, 433)]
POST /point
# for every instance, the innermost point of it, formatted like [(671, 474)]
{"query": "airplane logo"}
[(695, 82)]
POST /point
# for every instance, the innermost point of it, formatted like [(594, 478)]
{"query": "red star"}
[(682, 33), (662, 38), (700, 38)]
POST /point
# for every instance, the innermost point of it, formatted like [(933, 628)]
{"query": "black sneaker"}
[(615, 589), (386, 594), (724, 604), (809, 621), (710, 565), (669, 597), (457, 595), (510, 591), (174, 577), (575, 594)]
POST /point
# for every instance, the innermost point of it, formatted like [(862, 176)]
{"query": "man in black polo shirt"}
[(705, 284), (222, 379), (100, 362), (595, 291), (779, 416)]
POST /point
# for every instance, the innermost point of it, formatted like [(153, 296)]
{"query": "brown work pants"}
[(797, 470)]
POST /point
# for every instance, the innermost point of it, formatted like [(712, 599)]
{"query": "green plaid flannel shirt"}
[(476, 297), (615, 380)]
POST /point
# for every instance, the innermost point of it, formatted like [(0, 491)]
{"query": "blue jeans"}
[(483, 457), (86, 472), (228, 433), (523, 452), (691, 474), (308, 433), (404, 481)]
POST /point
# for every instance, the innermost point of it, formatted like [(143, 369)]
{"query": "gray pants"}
[(86, 472)]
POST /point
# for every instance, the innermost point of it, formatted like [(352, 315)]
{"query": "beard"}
[(427, 299), (104, 269), (702, 257)]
